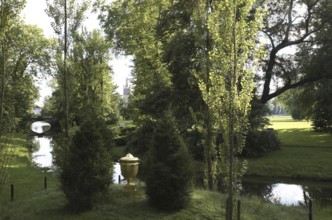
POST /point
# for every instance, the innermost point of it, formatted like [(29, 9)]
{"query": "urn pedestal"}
[(129, 169)]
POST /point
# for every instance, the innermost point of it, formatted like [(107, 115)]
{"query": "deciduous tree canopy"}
[(292, 25)]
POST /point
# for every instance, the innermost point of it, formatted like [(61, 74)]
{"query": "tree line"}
[(175, 38)]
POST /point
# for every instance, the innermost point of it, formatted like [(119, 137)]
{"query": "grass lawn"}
[(304, 153), (33, 202)]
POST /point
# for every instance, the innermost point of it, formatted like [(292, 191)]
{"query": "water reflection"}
[(42, 155), (40, 127), (117, 173), (42, 148), (287, 194), (283, 192)]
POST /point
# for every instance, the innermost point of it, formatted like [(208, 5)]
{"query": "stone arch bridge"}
[(41, 118)]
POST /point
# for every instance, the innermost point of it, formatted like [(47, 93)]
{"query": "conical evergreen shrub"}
[(86, 171), (169, 168)]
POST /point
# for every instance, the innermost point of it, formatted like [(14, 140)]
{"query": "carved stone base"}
[(129, 188)]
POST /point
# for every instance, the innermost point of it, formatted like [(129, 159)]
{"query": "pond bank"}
[(288, 192)]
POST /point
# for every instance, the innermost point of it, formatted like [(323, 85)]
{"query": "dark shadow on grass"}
[(285, 120), (131, 205), (294, 130), (304, 138), (54, 213), (20, 141)]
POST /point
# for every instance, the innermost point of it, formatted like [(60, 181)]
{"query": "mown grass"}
[(33, 202), (120, 205), (304, 154), (294, 133)]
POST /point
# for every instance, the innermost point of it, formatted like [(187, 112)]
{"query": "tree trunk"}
[(65, 77), (3, 77), (230, 144), (209, 148)]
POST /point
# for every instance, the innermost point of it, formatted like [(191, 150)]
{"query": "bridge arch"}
[(40, 131)]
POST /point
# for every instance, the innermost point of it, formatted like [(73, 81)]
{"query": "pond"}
[(42, 147), (288, 192), (42, 151), (117, 173)]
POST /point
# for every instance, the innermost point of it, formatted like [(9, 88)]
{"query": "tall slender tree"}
[(3, 45), (68, 16), (228, 87), (92, 84), (65, 74), (202, 14)]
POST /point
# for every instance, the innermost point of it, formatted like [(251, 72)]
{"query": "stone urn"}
[(129, 168)]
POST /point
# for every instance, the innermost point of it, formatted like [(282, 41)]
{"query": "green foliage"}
[(75, 15), (86, 168), (225, 81), (322, 108), (171, 47), (308, 34), (260, 142), (141, 139), (126, 24), (10, 11), (27, 56), (315, 106), (75, 12), (321, 91), (180, 51), (169, 169), (6, 156), (121, 140), (257, 116), (315, 65), (259, 139), (90, 86), (296, 104)]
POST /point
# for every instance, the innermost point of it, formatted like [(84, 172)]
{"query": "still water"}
[(117, 173), (42, 156), (42, 148), (289, 192), (42, 151)]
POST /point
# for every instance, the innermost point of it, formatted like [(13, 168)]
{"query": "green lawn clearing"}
[(304, 153)]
